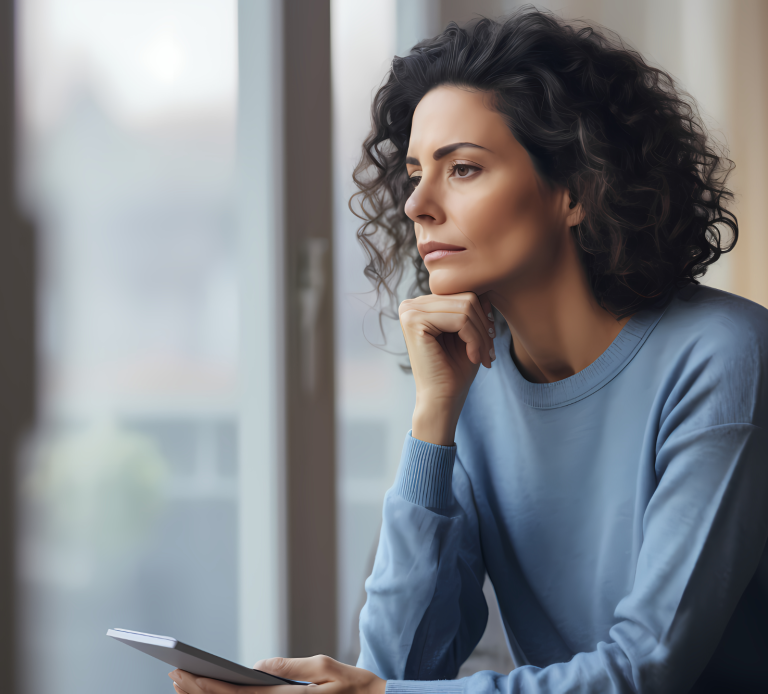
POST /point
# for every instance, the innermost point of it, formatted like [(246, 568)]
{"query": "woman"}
[(608, 468)]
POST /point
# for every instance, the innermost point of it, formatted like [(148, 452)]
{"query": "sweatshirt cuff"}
[(417, 687), (425, 474)]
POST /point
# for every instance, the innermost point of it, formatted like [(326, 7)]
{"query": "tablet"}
[(193, 660)]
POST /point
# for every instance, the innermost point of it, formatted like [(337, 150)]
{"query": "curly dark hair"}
[(619, 134)]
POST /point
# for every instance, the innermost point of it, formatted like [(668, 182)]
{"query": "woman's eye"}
[(415, 179), (463, 170)]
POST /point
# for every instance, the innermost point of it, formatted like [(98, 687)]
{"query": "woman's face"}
[(484, 218)]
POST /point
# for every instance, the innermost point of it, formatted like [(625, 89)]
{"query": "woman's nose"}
[(422, 206)]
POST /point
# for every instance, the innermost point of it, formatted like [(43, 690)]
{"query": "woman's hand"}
[(448, 337), (330, 676)]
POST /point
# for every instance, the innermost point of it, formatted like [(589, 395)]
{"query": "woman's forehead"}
[(449, 114)]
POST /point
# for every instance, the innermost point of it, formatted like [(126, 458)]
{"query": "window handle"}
[(311, 291)]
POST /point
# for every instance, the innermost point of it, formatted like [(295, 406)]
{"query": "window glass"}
[(128, 490), (374, 395)]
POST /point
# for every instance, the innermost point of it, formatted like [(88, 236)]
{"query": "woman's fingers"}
[(467, 304), (484, 321), (187, 683), (415, 322), (208, 686), (326, 675), (487, 309), (466, 324), (485, 302), (317, 669), (477, 347), (463, 325)]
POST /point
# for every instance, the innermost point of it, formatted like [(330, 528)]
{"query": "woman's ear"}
[(571, 209)]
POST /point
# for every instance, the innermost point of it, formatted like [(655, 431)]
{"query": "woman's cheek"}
[(487, 215), (503, 218)]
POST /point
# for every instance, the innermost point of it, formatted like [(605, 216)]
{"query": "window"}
[(129, 491)]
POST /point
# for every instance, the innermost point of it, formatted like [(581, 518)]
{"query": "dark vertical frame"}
[(310, 414), (17, 345)]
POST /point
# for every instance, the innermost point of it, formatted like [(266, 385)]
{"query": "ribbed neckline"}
[(588, 380)]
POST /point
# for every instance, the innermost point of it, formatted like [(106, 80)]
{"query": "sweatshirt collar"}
[(582, 384)]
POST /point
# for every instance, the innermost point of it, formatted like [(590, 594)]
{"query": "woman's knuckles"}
[(322, 661), (421, 323), (273, 666), (411, 318)]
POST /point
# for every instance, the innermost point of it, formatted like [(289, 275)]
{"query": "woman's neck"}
[(557, 326)]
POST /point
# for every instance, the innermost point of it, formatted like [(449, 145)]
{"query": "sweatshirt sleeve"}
[(704, 534), (425, 609)]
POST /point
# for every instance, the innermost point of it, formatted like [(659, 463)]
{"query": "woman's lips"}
[(440, 253)]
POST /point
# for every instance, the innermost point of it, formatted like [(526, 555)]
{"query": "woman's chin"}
[(443, 283)]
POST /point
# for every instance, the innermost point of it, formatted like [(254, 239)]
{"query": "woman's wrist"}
[(379, 686), (435, 422)]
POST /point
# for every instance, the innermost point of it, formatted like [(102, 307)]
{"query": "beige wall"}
[(747, 118), (716, 49)]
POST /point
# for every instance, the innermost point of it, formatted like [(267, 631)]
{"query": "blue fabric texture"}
[(424, 478), (621, 515)]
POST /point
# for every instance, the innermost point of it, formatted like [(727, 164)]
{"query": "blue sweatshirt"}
[(621, 515)]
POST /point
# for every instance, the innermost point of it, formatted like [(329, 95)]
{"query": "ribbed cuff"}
[(425, 473), (418, 687)]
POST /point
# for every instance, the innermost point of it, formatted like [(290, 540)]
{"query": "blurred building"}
[(126, 167)]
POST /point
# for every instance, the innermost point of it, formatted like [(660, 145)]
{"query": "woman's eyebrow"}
[(447, 149), (443, 151)]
